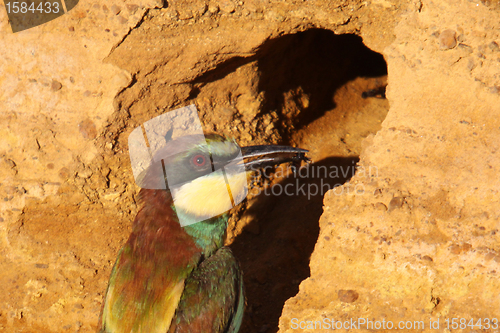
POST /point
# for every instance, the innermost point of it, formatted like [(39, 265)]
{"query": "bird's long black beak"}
[(257, 157)]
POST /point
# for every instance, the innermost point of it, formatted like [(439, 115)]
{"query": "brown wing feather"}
[(147, 280)]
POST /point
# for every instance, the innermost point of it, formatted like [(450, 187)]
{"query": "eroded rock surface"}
[(417, 241), (416, 237)]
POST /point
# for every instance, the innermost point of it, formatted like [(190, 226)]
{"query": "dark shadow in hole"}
[(316, 60), (274, 249), (319, 62)]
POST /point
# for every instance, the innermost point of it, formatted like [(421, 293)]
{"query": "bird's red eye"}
[(199, 160)]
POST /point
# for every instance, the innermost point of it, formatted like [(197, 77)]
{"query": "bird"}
[(177, 276)]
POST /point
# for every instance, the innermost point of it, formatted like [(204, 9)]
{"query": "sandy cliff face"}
[(412, 236), (420, 242)]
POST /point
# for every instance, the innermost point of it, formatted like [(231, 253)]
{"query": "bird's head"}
[(207, 174)]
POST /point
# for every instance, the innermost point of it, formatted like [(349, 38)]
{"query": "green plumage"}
[(214, 287)]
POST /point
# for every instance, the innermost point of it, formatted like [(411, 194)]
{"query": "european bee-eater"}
[(173, 277)]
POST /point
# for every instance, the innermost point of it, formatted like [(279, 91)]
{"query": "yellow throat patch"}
[(210, 195)]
